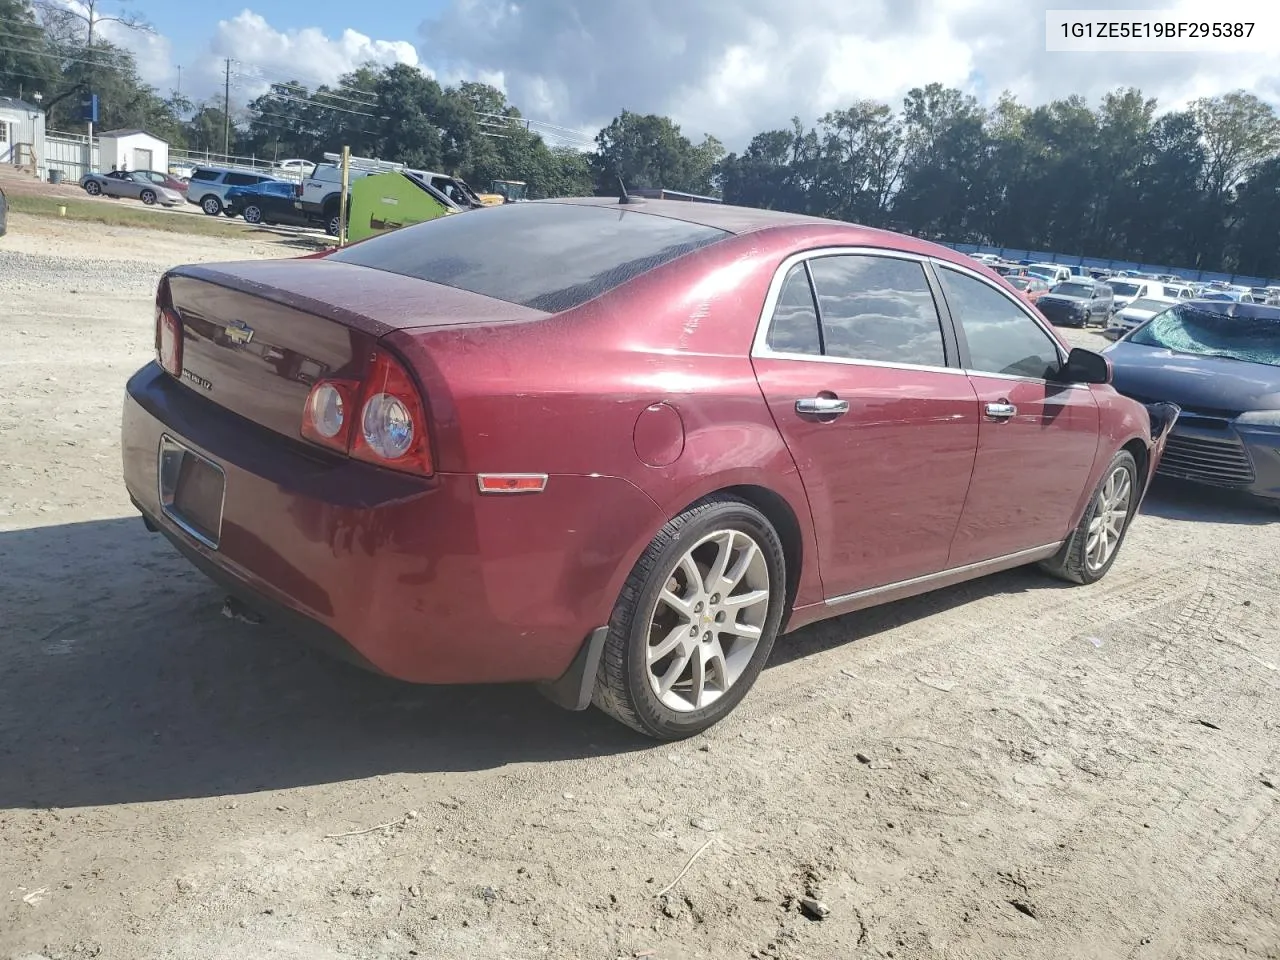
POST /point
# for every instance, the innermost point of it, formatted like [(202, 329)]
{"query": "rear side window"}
[(204, 176), (547, 256), (242, 179), (794, 327), (877, 308)]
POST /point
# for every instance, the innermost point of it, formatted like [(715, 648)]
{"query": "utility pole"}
[(178, 92), (226, 113)]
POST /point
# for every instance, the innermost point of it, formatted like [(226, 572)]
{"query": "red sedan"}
[(617, 449), (1033, 288)]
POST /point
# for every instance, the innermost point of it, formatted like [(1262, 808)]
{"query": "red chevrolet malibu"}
[(617, 448)]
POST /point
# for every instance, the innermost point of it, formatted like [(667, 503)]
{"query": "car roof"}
[(1234, 308), (747, 220)]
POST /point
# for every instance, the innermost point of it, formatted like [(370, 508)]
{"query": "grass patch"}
[(127, 213)]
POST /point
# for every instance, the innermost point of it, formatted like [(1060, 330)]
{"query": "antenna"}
[(625, 197)]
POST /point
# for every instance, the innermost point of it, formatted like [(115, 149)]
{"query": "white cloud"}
[(261, 54), (734, 69)]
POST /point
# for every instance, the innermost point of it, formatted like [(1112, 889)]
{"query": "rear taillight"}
[(380, 419), (168, 333)]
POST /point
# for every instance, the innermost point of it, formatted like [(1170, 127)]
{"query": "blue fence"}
[(1093, 263)]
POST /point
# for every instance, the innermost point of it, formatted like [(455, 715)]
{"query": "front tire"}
[(148, 197), (1095, 543), (252, 214), (211, 205), (695, 622)]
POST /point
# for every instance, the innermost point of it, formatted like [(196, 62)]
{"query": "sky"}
[(731, 68)]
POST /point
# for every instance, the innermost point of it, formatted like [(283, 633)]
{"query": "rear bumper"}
[(424, 580)]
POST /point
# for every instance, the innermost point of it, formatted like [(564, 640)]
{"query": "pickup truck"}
[(322, 194)]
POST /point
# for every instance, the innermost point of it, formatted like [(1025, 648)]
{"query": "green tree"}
[(648, 151)]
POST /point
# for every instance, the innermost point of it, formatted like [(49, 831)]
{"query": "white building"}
[(132, 150), (21, 133)]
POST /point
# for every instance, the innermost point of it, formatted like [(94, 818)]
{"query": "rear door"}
[(1037, 439), (866, 390)]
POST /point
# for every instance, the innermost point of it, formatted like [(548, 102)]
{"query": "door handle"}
[(1001, 411), (822, 406)]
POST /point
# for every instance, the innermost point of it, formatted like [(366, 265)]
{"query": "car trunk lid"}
[(257, 335)]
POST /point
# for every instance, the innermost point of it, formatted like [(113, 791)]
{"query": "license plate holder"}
[(192, 491)]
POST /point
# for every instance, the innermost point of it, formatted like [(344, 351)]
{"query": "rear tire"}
[(1095, 543), (93, 188), (717, 630)]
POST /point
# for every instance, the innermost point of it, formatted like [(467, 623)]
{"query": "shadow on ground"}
[(1177, 500), (120, 682)]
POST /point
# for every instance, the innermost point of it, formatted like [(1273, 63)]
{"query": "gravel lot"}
[(1009, 768)]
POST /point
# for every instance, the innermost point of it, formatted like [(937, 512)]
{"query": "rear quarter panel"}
[(563, 395)]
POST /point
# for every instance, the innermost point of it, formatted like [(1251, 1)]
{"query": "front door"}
[(1038, 438), (879, 418)]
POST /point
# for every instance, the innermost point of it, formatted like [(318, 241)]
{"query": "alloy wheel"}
[(707, 620), (1109, 518)]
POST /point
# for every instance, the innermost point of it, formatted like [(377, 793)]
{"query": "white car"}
[(1129, 289), (298, 167), (1136, 313)]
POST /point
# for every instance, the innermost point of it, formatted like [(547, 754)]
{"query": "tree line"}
[(1196, 187)]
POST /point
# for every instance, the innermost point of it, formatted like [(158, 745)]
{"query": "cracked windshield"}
[(639, 481)]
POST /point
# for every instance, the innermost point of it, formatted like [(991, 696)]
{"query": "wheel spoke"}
[(724, 553), (698, 676), (693, 576), (673, 674), (745, 630), (669, 643), (745, 600), (740, 568), (679, 604), (717, 665)]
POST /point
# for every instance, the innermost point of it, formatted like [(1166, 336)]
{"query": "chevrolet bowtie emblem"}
[(239, 332)]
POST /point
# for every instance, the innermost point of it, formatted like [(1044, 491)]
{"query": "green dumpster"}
[(388, 201)]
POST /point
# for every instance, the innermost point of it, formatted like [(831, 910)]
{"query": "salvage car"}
[(617, 447), (1220, 362)]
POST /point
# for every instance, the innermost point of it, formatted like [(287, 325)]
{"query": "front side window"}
[(1002, 338), (205, 176), (877, 308)]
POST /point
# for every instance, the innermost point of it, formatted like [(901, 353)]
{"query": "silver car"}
[(132, 185)]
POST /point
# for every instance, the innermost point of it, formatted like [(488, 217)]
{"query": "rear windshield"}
[(1125, 289), (547, 256)]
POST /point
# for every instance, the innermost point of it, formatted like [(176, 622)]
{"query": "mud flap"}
[(573, 689)]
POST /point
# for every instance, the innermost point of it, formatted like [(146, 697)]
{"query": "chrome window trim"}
[(760, 345)]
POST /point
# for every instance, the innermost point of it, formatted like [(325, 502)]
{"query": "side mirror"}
[(1085, 366)]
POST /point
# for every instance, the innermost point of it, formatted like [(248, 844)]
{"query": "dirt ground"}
[(1009, 768)]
